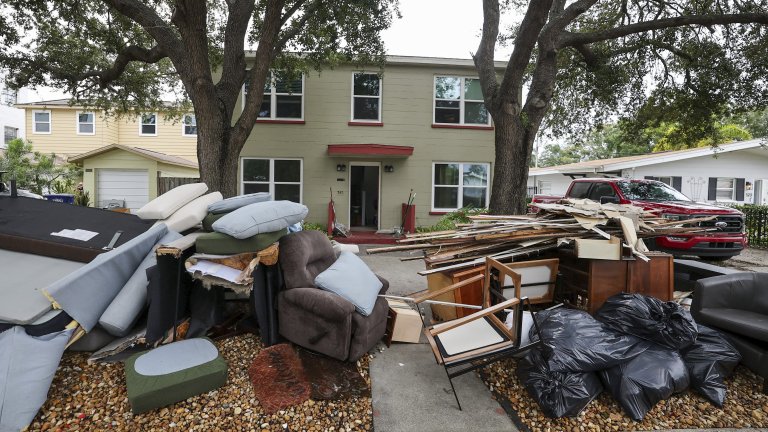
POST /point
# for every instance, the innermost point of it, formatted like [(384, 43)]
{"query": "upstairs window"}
[(456, 185), (41, 122), (283, 99), (279, 177), (366, 97), (86, 123), (459, 101), (189, 125), (11, 133), (148, 124), (8, 96)]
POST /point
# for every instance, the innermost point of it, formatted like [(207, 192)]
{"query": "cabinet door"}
[(654, 278), (606, 278)]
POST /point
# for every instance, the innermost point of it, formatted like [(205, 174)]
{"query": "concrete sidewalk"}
[(411, 392)]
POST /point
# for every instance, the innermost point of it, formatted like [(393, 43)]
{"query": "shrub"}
[(450, 220)]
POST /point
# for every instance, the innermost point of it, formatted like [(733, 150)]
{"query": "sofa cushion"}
[(209, 219), (269, 216), (234, 203), (750, 324), (192, 213), (351, 278), (167, 203), (222, 244)]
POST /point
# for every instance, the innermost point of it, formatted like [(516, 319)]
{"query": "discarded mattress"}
[(192, 213), (86, 293), (559, 394), (573, 341), (259, 218), (709, 361), (130, 301), (166, 204), (27, 366), (222, 244), (234, 203), (26, 225), (20, 289), (665, 323), (172, 373), (642, 382)]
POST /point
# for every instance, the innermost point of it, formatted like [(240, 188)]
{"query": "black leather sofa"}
[(738, 305)]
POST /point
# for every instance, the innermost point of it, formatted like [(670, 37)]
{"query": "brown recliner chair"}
[(320, 320)]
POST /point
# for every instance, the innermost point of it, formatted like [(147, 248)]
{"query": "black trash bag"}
[(573, 341), (647, 379), (665, 323), (557, 393), (709, 361)]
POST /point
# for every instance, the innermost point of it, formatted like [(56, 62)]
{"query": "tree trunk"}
[(513, 143), (218, 151)]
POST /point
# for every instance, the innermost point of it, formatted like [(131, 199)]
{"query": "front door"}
[(364, 195)]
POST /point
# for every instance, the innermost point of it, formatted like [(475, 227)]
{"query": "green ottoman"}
[(172, 373), (221, 244)]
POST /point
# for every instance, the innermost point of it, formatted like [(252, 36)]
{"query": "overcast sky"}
[(428, 28)]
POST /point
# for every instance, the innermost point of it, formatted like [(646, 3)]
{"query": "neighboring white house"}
[(732, 173), (11, 119)]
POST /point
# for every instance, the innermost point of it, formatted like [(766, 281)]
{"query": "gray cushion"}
[(268, 216), (126, 307), (86, 293), (27, 366), (351, 278), (234, 203)]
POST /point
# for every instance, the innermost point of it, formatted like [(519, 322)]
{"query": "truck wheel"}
[(715, 258)]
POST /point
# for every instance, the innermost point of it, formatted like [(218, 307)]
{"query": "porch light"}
[(341, 167), (389, 168)]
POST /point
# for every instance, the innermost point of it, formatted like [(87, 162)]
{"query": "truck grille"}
[(734, 223)]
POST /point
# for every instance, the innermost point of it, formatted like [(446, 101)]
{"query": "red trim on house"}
[(438, 213), (268, 121), (354, 123), (450, 126), (369, 150)]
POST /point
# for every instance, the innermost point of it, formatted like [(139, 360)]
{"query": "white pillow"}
[(351, 278), (258, 218), (167, 203), (192, 213)]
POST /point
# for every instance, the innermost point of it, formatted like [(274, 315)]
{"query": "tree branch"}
[(127, 55), (148, 19), (233, 69), (297, 26), (483, 58), (573, 39)]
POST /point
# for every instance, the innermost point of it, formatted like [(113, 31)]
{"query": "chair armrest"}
[(384, 285), (734, 291), (316, 301), (432, 294), (439, 328)]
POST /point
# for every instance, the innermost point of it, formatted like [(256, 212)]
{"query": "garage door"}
[(130, 186)]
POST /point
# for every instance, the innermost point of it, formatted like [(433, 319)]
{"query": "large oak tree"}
[(129, 55), (651, 61)]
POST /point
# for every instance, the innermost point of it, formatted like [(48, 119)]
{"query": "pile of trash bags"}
[(639, 348)]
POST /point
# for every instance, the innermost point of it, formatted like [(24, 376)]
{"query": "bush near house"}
[(450, 220), (756, 223), (37, 172)]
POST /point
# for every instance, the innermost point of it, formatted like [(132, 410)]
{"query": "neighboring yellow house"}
[(364, 139)]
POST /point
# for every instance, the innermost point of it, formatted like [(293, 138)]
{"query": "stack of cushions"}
[(350, 278), (219, 209), (251, 228), (182, 207), (172, 373)]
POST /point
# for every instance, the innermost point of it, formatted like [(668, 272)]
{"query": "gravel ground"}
[(745, 407), (93, 397)]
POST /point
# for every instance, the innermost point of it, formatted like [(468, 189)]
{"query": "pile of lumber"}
[(507, 237)]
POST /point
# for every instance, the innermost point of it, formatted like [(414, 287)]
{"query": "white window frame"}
[(271, 182), (273, 100), (35, 122), (78, 123), (7, 128), (352, 101), (184, 125), (667, 180), (545, 187), (141, 123), (459, 186), (732, 189), (461, 101)]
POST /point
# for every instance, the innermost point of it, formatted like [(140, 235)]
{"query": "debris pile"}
[(508, 236)]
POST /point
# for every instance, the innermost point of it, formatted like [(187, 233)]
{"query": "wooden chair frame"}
[(465, 362), (511, 269)]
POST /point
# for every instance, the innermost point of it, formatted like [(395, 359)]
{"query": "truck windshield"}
[(650, 191)]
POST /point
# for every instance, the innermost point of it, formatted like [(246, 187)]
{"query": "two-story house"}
[(362, 138)]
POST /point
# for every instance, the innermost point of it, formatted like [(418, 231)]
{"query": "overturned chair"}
[(482, 338)]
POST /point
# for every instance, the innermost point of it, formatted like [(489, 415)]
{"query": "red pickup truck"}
[(728, 240)]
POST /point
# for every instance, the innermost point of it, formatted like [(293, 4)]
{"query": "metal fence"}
[(164, 184), (756, 222)]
